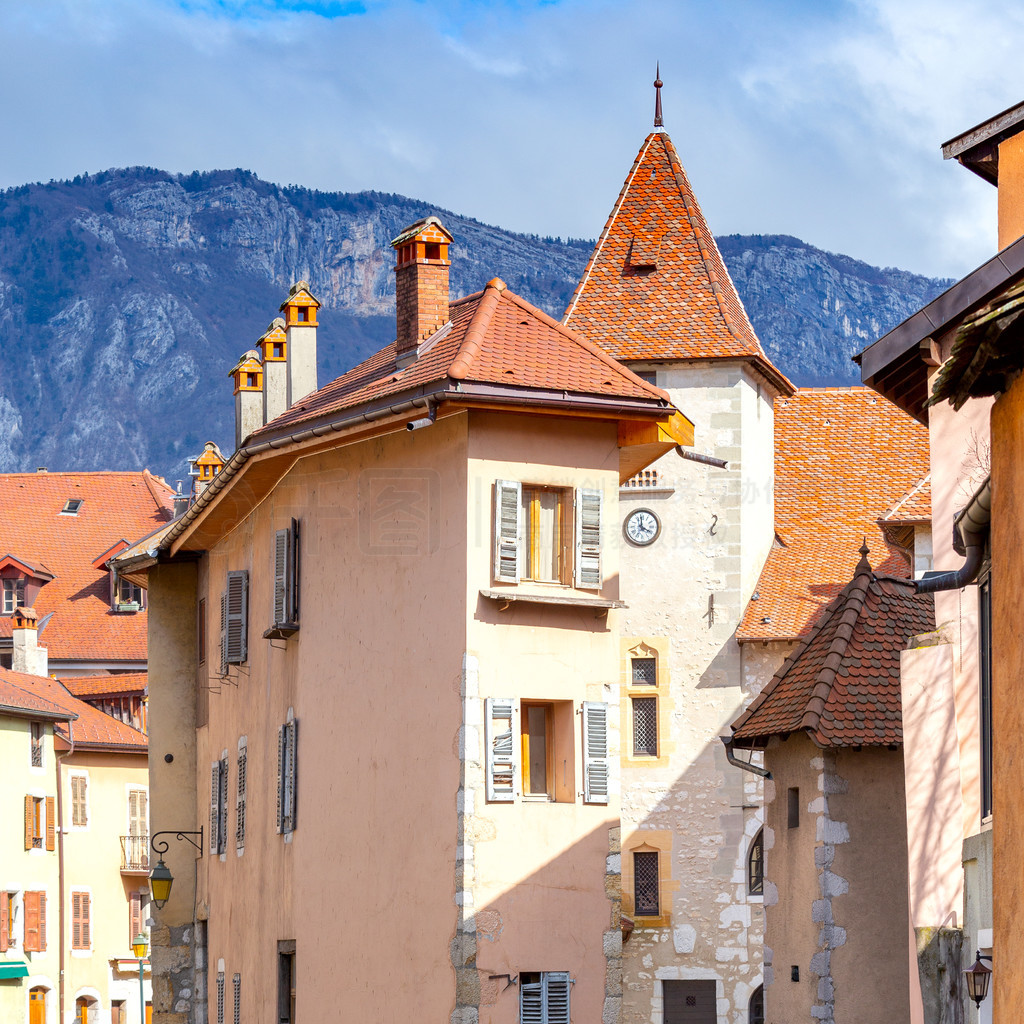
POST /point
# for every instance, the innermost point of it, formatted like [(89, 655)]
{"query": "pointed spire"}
[(658, 122), (863, 565)]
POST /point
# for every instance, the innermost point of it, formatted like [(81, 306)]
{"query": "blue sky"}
[(821, 120)]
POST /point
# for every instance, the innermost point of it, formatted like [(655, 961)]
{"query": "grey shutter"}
[(595, 753), (291, 774), (222, 806), (240, 799), (588, 538), (531, 1003), (508, 514), (281, 551), (499, 740), (237, 616), (292, 599), (556, 997), (224, 632), (280, 777), (215, 808)]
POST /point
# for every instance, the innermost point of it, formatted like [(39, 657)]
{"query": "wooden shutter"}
[(79, 804), (5, 922), (224, 632), (531, 1002), (30, 808), (588, 538), (236, 640), (501, 749), (79, 920), (51, 824), (134, 916), (86, 937), (222, 806), (138, 824), (30, 902), (508, 527), (42, 921), (556, 985), (215, 807), (240, 799), (595, 753)]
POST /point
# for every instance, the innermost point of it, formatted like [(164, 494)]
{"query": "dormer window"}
[(14, 595), (126, 596), (71, 507)]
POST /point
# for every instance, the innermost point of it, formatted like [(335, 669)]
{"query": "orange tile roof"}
[(17, 693), (842, 684), (843, 456), (105, 686), (656, 286), (114, 506), (90, 727), (915, 506), (494, 338)]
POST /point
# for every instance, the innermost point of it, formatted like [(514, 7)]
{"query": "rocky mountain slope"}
[(126, 296)]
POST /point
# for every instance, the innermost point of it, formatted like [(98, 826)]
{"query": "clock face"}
[(642, 526)]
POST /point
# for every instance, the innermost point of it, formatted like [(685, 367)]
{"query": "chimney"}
[(421, 285), (180, 502), (300, 335), (206, 467), (28, 656), (274, 349), (248, 377)]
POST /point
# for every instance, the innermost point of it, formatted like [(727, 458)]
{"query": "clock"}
[(642, 527)]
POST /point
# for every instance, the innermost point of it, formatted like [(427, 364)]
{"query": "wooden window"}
[(80, 923), (36, 824), (80, 800), (287, 776), (127, 596), (6, 921), (502, 761), (544, 997), (118, 1013), (546, 534), (240, 784), (645, 884), (14, 595), (286, 577), (755, 866), (138, 813), (645, 726), (34, 904), (537, 738), (595, 752), (286, 981), (136, 915), (201, 631), (793, 808), (219, 807), (234, 620), (37, 731)]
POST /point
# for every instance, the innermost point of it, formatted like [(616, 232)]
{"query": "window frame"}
[(13, 593), (649, 856), (287, 776), (548, 1000), (755, 865), (647, 700), (81, 921), (37, 744)]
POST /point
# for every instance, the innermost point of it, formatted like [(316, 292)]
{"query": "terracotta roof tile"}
[(105, 686), (656, 286), (843, 456), (114, 506), (493, 337), (90, 726), (17, 692), (915, 506), (842, 683)]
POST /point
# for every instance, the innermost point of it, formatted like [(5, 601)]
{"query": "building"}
[(73, 886), (387, 632)]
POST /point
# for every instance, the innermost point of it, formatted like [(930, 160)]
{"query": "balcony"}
[(134, 855)]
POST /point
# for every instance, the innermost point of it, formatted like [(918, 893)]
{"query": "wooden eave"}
[(977, 149)]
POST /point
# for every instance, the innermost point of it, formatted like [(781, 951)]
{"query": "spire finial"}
[(658, 122), (863, 565)]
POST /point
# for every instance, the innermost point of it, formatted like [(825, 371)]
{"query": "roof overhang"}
[(978, 147), (31, 569), (644, 442)]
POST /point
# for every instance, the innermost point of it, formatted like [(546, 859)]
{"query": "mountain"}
[(127, 296)]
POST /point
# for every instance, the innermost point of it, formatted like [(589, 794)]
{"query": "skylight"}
[(71, 507)]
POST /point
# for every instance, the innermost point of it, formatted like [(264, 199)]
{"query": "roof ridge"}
[(915, 490), (471, 340)]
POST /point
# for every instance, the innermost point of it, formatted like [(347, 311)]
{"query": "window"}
[(118, 1014), (544, 997), (220, 997), (755, 866), (240, 798), (755, 1014), (219, 806), (80, 925), (34, 904), (87, 1010), (985, 687), (286, 582), (547, 534), (645, 726), (14, 595), (7, 939), (201, 631), (645, 884), (39, 823), (71, 507), (286, 982), (287, 775), (644, 671), (236, 982), (538, 749), (234, 625), (37, 731), (690, 1002), (79, 800), (127, 596), (793, 808)]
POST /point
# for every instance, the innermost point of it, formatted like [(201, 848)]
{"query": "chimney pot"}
[(421, 285)]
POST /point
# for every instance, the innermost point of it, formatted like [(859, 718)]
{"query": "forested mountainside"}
[(127, 296)]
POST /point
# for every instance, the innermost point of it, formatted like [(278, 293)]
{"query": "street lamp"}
[(160, 878), (978, 978), (140, 947)]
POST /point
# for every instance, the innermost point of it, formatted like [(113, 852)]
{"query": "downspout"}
[(58, 763), (730, 756), (970, 531)]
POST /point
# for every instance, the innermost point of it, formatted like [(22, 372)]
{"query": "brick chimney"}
[(205, 467), (28, 656), (421, 285), (300, 333), (248, 378), (274, 349)]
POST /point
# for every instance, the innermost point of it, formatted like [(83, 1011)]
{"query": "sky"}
[(816, 118)]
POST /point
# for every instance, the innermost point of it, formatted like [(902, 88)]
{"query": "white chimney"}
[(274, 348), (300, 328), (28, 656)]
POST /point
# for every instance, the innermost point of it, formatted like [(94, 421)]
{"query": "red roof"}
[(493, 337), (105, 686), (114, 506), (843, 457), (90, 727), (656, 286), (915, 506), (18, 693), (842, 684)]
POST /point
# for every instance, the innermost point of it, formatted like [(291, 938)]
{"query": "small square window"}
[(645, 671), (71, 507), (14, 595)]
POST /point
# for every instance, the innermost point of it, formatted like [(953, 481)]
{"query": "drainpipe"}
[(58, 764), (730, 756), (970, 531)]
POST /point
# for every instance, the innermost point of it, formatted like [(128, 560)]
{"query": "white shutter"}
[(595, 753), (508, 516), (236, 642), (499, 741), (215, 807), (556, 997), (281, 551), (531, 1003), (588, 538)]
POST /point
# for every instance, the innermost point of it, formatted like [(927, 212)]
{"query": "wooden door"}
[(37, 1006), (690, 1002)]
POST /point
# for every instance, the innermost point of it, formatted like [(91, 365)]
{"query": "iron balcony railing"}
[(134, 853)]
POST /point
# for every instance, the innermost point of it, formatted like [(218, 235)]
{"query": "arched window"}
[(755, 1014), (755, 866), (87, 1010)]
